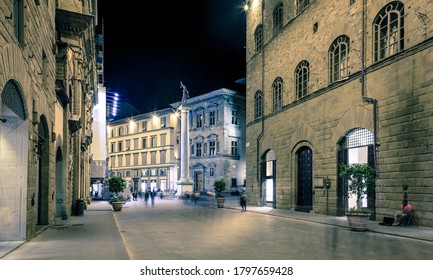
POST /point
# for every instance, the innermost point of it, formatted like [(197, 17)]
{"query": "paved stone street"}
[(174, 231)]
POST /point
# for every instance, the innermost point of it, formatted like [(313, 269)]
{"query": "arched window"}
[(277, 94), (388, 31), (278, 18), (258, 37), (302, 77), (301, 5), (339, 59), (258, 105)]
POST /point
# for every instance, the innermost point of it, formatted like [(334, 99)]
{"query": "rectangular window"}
[(162, 139), (163, 122), (154, 172), (135, 159), (163, 172), (212, 171), (198, 149), (144, 126), (212, 118), (143, 158), (144, 143), (119, 146), (144, 172), (153, 141), (112, 147), (153, 157), (128, 145), (212, 148), (128, 160), (135, 144), (234, 148), (120, 160), (162, 156), (199, 120), (112, 161), (234, 117)]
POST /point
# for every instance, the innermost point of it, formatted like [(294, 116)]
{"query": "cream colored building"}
[(46, 85), (333, 81), (142, 149)]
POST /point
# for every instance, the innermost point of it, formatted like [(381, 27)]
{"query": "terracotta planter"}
[(117, 205), (220, 202), (358, 221)]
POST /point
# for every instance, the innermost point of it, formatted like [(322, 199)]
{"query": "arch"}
[(42, 207), (14, 149), (13, 99)]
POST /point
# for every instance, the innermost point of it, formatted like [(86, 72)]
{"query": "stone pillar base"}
[(185, 186)]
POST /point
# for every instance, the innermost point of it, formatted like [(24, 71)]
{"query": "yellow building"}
[(142, 149)]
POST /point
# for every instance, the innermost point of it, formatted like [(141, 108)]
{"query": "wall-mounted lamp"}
[(3, 120)]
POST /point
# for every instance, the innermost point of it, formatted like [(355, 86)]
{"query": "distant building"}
[(217, 139), (142, 149), (145, 149), (332, 82)]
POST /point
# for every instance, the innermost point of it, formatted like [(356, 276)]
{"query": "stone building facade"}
[(43, 169), (217, 139), (331, 82)]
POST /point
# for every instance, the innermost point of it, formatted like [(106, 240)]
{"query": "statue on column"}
[(185, 94)]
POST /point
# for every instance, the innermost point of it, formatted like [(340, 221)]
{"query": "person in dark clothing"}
[(146, 197), (152, 197), (243, 201)]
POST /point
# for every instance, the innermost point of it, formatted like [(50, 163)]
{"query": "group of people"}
[(149, 193)]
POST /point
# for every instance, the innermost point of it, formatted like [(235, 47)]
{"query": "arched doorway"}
[(304, 201), (14, 155), (356, 146), (268, 180), (60, 185), (42, 152)]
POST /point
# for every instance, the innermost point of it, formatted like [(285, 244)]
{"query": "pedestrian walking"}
[(243, 200), (152, 197), (146, 197)]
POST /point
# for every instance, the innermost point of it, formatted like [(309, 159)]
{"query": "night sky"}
[(150, 50)]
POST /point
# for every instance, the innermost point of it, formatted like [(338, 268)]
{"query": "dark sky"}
[(150, 49)]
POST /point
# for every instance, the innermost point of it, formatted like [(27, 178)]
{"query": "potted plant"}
[(359, 179), (116, 185), (220, 187)]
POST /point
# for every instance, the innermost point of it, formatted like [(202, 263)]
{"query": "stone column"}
[(185, 183)]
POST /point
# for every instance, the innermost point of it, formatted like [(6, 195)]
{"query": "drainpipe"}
[(363, 51)]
